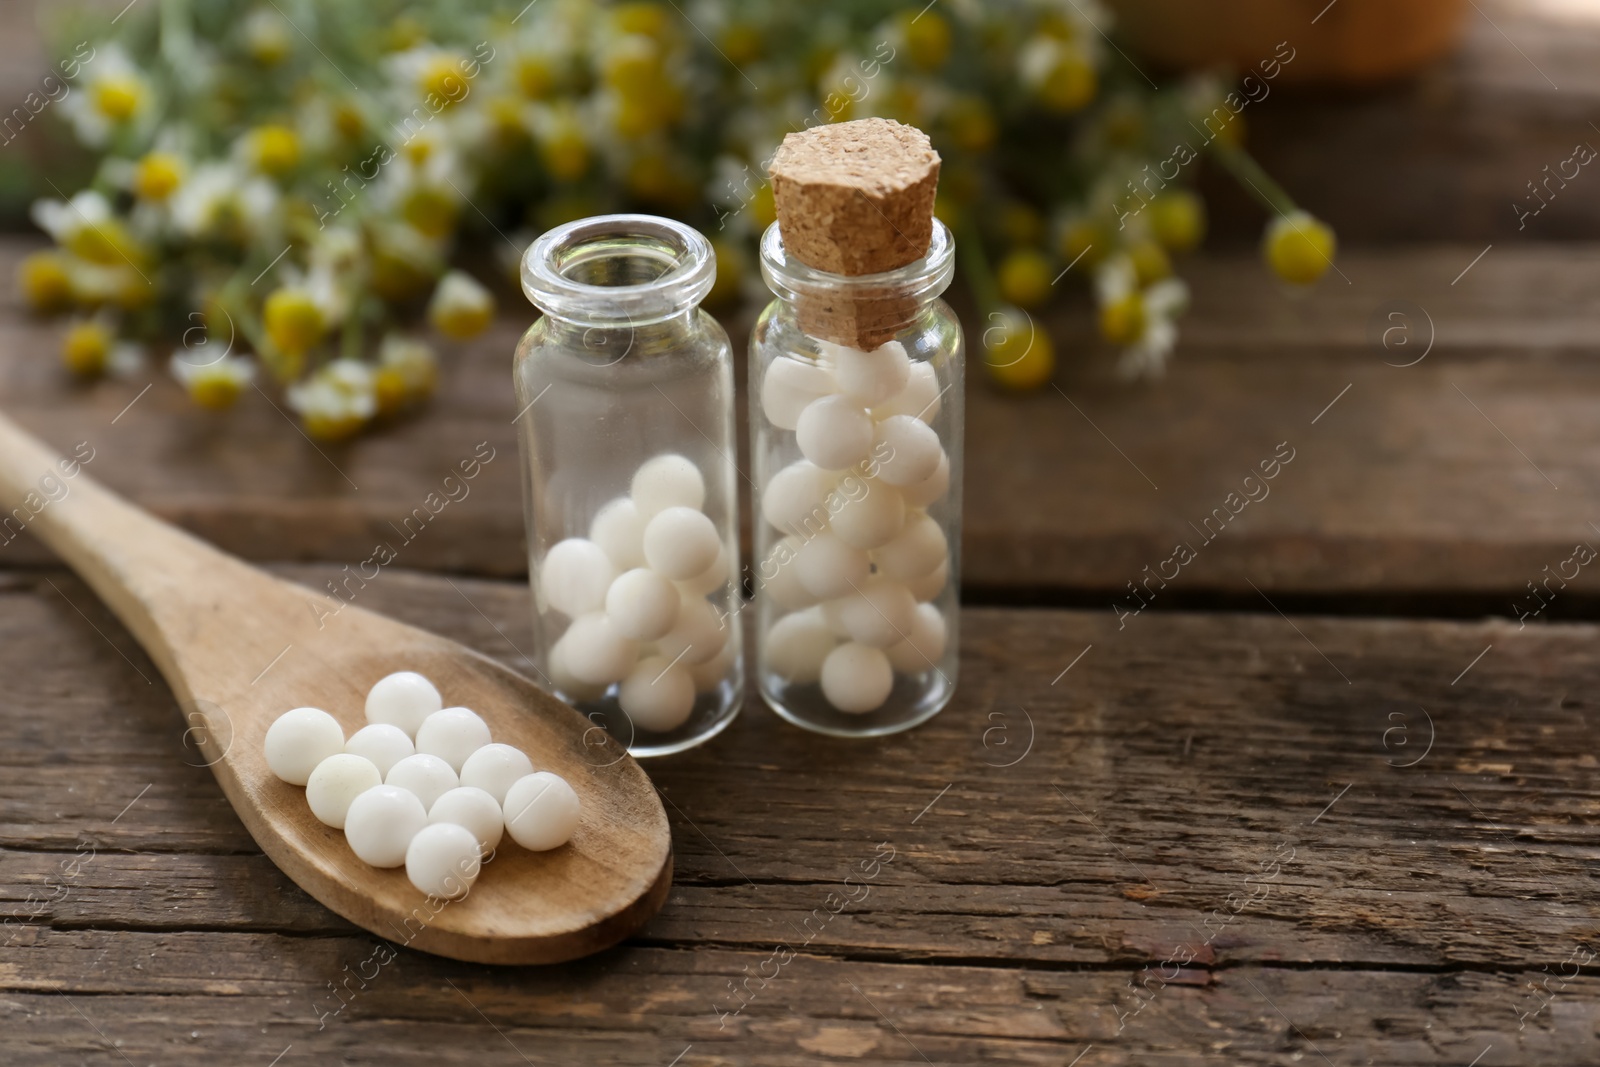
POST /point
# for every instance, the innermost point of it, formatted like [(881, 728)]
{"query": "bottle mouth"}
[(615, 270), (917, 281)]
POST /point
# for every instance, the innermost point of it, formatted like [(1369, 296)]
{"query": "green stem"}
[(975, 264), (1248, 173)]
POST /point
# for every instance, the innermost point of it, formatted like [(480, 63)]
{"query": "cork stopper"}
[(856, 198)]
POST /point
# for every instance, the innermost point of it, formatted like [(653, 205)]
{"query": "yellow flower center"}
[(105, 243), (1070, 84), (292, 320), (1024, 278), (45, 283), (276, 148), (1298, 247), (566, 155), (1150, 262), (214, 391), (443, 77), (535, 77), (1020, 355), (1178, 219), (432, 211), (86, 348), (157, 176), (927, 38), (1122, 320), (118, 98)]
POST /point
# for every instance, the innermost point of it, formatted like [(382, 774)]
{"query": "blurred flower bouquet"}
[(285, 188)]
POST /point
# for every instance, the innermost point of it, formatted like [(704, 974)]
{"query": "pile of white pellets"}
[(862, 560), (421, 785), (635, 591)]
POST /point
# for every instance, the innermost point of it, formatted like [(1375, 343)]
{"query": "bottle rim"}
[(920, 280), (553, 265)]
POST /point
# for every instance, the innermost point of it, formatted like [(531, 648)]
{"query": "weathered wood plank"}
[(248, 998), (1432, 478), (1178, 757)]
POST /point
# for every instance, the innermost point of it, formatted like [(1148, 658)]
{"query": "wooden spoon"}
[(240, 647)]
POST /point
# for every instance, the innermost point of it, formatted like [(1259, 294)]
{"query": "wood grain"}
[(1424, 479), (1023, 908), (239, 648)]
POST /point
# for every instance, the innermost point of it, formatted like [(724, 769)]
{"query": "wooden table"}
[(1326, 799)]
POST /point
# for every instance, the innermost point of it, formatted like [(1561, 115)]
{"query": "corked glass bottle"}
[(856, 387)]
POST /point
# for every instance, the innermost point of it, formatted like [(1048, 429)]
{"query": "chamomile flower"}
[(214, 384), (272, 148), (337, 400), (86, 227), (407, 372), (1059, 74), (1142, 320), (460, 308), (267, 36), (221, 200), (115, 95)]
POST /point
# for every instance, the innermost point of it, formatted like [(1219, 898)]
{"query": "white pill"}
[(923, 646), (493, 768), (541, 811), (568, 685), (443, 860), (680, 542), (697, 636), (828, 612), (575, 576), (872, 377), (931, 488), (797, 644), (919, 549), (476, 810), (714, 671), (298, 740), (381, 743), (619, 531), (857, 678), (930, 585), (834, 433), (642, 604), (777, 577), (869, 513), (452, 734), (827, 567), (336, 782), (381, 823), (919, 398), (905, 450), (667, 481), (658, 695), (595, 651), (789, 386), (710, 580), (795, 498), (403, 699), (425, 776), (880, 615)]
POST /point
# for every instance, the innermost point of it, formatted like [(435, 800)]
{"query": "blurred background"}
[(372, 171)]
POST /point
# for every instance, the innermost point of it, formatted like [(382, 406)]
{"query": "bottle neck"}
[(860, 311), (619, 275)]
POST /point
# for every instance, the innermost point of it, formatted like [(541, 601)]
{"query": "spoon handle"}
[(137, 564)]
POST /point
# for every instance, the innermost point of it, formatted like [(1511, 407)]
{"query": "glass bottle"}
[(625, 403), (856, 448)]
